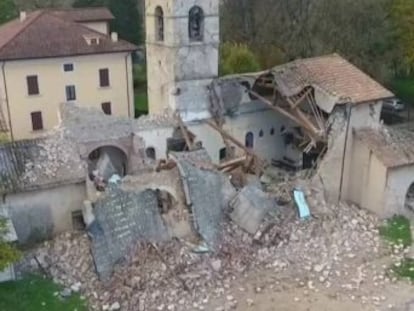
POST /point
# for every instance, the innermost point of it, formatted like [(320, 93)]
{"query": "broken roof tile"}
[(39, 163)]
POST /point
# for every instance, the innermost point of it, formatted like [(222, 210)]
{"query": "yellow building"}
[(50, 57)]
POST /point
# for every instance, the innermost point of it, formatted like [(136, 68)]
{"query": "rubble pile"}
[(327, 251), (57, 157)]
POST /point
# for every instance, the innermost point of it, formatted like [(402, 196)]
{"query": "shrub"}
[(237, 58)]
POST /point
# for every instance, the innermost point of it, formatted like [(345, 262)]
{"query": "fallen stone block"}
[(249, 208)]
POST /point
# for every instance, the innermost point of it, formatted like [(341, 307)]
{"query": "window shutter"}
[(106, 108), (70, 92), (32, 85), (37, 121), (104, 77)]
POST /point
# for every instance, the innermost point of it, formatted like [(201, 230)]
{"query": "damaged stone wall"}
[(334, 170)]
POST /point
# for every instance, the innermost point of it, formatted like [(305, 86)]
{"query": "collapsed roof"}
[(303, 90), (36, 164)]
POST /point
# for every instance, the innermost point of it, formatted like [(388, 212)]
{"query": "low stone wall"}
[(41, 214)]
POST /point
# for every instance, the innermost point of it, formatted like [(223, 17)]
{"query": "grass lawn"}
[(36, 294), (397, 231), (405, 269)]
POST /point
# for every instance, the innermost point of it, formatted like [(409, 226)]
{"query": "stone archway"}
[(106, 161)]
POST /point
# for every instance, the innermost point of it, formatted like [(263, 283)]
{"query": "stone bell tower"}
[(182, 45)]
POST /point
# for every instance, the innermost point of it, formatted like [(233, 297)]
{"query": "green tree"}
[(127, 20), (88, 3), (8, 10), (237, 58), (403, 18), (8, 253)]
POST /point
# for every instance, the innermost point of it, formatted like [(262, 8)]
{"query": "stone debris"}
[(331, 251), (250, 207)]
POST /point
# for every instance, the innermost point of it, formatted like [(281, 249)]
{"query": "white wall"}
[(101, 27), (41, 213), (267, 147), (398, 182), (332, 166), (157, 139)]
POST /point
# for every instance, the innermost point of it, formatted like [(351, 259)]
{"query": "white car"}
[(394, 105)]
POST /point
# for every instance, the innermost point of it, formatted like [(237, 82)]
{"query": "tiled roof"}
[(85, 14), (43, 34), (333, 74), (393, 146), (39, 163)]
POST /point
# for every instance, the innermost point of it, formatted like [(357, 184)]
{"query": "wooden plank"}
[(231, 138), (184, 131), (301, 99), (313, 133), (239, 160)]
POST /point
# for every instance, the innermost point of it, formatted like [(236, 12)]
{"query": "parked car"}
[(394, 105)]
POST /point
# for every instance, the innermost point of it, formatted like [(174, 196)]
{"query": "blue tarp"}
[(302, 205)]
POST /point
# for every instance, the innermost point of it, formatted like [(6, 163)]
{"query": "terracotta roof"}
[(42, 34), (333, 74), (84, 14), (393, 146)]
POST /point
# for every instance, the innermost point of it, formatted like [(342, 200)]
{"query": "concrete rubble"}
[(330, 251), (250, 207)]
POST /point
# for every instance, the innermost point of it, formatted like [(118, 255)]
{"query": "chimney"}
[(23, 16), (114, 37)]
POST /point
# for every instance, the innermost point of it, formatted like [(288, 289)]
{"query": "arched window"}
[(150, 153), (196, 24), (249, 142), (272, 131), (159, 24), (261, 133)]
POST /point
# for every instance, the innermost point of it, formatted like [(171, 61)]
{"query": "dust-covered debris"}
[(331, 251)]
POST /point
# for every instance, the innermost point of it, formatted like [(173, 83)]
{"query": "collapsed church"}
[(176, 172)]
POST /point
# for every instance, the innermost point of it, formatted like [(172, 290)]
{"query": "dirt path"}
[(261, 292)]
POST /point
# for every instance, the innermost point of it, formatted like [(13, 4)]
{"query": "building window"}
[(106, 108), (77, 221), (104, 77), (249, 141), (261, 133), (223, 154), (67, 67), (196, 24), (32, 85), (150, 153), (272, 131), (159, 24), (37, 121), (70, 93)]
